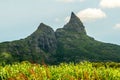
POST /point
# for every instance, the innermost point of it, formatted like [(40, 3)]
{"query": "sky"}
[(20, 18)]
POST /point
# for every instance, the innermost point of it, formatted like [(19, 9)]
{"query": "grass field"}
[(81, 71)]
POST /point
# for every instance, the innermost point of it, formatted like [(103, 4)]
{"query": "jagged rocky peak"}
[(74, 18), (44, 38), (44, 27), (75, 24)]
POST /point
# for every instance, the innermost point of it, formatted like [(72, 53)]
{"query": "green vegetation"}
[(68, 44), (71, 71)]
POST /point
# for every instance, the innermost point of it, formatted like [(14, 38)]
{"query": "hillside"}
[(68, 44)]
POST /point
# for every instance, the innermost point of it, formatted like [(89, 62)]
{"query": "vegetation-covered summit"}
[(68, 44)]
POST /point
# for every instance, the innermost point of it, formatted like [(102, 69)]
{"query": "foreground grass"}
[(81, 71)]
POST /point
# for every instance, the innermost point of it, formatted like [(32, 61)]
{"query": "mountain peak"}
[(42, 25), (74, 18), (75, 24), (44, 38), (73, 14)]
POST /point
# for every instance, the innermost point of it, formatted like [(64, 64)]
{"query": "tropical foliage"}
[(63, 71)]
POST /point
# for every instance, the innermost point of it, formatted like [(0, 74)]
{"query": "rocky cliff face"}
[(43, 38), (75, 25), (35, 48), (68, 44)]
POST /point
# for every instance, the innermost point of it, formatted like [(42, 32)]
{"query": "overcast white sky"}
[(101, 18)]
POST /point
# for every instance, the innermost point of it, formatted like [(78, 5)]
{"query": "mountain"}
[(75, 45), (35, 48), (68, 44)]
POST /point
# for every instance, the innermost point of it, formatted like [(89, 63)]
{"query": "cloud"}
[(110, 3), (91, 14), (117, 26), (69, 1)]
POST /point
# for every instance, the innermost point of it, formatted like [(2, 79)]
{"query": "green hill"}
[(68, 44)]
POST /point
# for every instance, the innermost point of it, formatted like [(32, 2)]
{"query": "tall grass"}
[(71, 71)]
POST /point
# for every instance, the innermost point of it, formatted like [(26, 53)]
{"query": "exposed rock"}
[(44, 38), (75, 25)]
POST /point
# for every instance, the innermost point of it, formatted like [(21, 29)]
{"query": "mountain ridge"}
[(68, 44)]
